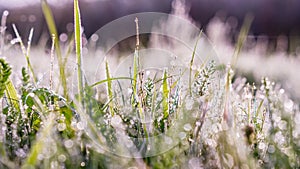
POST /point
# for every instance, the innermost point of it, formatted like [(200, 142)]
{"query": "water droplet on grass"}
[(262, 146), (187, 127), (61, 158), (271, 149), (68, 143), (61, 126)]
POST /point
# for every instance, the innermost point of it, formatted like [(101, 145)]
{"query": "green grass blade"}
[(192, 62), (2, 31), (109, 89), (12, 95), (241, 39), (5, 72), (6, 85), (78, 46), (166, 92), (135, 76), (52, 28), (110, 79)]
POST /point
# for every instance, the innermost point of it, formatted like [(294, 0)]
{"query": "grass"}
[(209, 119)]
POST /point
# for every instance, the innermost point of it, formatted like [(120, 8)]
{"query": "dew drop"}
[(282, 125), (187, 127), (62, 158), (271, 149), (68, 143), (61, 126), (261, 146), (281, 91), (94, 37)]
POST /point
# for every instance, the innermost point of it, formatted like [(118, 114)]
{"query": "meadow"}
[(209, 106)]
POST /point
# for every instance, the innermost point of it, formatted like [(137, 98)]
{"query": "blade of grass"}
[(135, 65), (52, 28), (5, 72), (78, 46), (165, 98), (241, 39), (26, 51), (12, 95), (51, 62), (2, 30), (109, 89), (7, 85), (110, 79), (29, 41), (192, 62), (135, 76)]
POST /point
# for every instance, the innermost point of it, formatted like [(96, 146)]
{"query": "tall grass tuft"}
[(26, 51)]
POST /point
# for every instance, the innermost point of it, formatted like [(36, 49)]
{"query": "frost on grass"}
[(161, 122)]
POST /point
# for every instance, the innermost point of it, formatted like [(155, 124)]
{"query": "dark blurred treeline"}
[(272, 18)]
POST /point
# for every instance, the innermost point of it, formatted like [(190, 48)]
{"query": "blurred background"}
[(276, 21), (272, 47)]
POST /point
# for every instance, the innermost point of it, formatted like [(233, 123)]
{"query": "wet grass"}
[(165, 118)]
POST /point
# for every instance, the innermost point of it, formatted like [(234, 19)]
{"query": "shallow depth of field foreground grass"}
[(187, 116)]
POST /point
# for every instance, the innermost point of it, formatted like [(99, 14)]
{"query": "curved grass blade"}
[(78, 47), (110, 79), (52, 28), (241, 39)]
